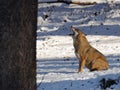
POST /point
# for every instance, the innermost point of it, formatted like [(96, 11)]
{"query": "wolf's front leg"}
[(81, 65)]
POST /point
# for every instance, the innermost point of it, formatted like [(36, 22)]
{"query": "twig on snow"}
[(41, 81)]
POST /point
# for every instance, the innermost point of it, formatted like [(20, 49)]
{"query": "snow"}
[(57, 64)]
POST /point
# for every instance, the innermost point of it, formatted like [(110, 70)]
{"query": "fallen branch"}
[(83, 3), (70, 2)]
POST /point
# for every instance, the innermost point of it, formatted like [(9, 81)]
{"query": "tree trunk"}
[(18, 25)]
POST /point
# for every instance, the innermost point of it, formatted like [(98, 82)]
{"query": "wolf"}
[(87, 55)]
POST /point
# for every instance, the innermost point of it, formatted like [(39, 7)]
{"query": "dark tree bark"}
[(18, 25)]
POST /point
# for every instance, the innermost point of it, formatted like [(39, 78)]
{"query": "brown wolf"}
[(87, 55)]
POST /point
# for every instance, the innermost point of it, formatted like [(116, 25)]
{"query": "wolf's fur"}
[(87, 55)]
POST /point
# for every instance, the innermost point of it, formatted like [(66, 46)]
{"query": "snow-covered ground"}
[(57, 64)]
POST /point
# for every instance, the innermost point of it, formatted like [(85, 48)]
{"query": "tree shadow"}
[(108, 30), (114, 61), (68, 65), (81, 84)]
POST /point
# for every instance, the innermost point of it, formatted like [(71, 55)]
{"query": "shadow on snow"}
[(68, 65), (44, 67), (98, 13)]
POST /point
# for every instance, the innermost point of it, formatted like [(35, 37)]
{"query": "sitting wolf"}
[(87, 55)]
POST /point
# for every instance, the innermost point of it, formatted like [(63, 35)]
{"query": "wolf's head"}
[(79, 38), (76, 32)]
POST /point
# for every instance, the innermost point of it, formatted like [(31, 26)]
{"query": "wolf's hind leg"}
[(99, 65)]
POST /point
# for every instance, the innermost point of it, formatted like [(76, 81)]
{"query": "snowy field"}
[(57, 64)]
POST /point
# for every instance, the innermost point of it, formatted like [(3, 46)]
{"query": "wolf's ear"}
[(75, 31)]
